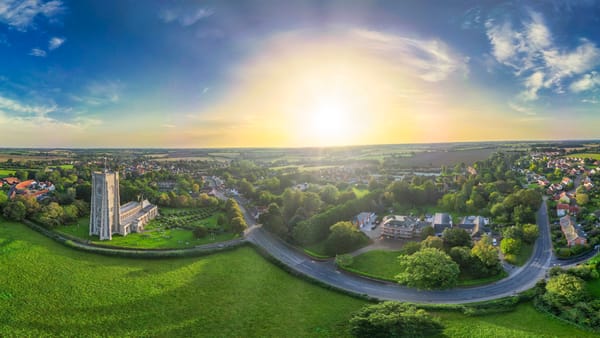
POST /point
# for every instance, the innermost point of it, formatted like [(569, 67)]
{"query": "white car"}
[(494, 242)]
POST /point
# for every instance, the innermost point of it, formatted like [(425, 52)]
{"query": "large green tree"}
[(456, 237), (344, 237), (429, 268)]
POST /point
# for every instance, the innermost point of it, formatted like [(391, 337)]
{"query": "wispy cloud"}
[(18, 108), (522, 109), (433, 60), (100, 92), (184, 16), (55, 42), (38, 52), (532, 53), (586, 82), (20, 14)]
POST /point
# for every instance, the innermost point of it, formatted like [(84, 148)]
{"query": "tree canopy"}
[(429, 268)]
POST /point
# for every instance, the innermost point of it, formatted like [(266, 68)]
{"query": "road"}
[(522, 279)]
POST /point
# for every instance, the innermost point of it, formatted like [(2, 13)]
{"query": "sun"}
[(329, 121)]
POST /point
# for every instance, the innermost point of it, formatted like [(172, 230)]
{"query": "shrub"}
[(393, 319)]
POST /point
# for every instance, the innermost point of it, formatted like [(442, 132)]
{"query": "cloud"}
[(101, 92), (20, 14), (432, 59), (586, 82), (18, 108), (55, 42), (38, 52), (533, 55), (184, 16), (522, 109)]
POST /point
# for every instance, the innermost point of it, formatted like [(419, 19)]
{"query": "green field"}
[(525, 321), (48, 289), (377, 263), (6, 172), (383, 264), (593, 156), (153, 237), (360, 192)]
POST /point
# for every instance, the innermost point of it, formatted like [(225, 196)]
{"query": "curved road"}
[(521, 279)]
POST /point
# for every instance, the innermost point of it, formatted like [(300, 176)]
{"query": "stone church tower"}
[(105, 205)]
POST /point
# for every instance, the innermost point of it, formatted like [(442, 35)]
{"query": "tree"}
[(427, 231), (428, 269), (273, 220), (432, 242), (344, 237), (238, 225), (487, 254), (51, 215), (463, 257), (456, 237), (582, 199), (565, 289), (15, 210), (394, 319), (200, 232), (195, 188), (410, 248), (510, 246), (71, 213), (530, 233), (329, 194)]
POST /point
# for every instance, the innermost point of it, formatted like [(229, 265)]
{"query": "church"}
[(108, 216)]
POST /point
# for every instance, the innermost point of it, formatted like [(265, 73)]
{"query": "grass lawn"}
[(522, 257), (525, 321), (7, 172), (377, 263), (51, 290), (383, 264), (593, 156), (594, 287), (47, 289), (360, 192), (151, 238)]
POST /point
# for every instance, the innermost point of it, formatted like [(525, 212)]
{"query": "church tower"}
[(105, 203)]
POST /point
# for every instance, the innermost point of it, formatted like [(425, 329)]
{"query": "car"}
[(494, 242)]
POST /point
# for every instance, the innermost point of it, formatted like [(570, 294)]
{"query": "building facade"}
[(108, 216)]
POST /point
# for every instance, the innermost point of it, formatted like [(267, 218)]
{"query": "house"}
[(11, 180), (562, 209), (441, 222), (566, 181), (573, 235), (402, 226), (475, 225), (365, 220)]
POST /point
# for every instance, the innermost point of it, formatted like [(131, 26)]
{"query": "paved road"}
[(522, 279)]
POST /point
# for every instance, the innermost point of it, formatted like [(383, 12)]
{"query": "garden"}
[(174, 228)]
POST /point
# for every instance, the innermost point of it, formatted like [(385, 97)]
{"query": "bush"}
[(393, 319), (200, 232)]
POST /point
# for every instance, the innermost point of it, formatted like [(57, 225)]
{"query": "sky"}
[(197, 74)]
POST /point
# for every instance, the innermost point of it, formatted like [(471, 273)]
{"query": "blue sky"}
[(214, 73)]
